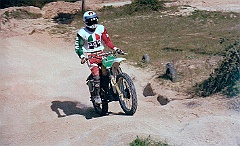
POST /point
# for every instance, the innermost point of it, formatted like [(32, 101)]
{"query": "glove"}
[(119, 51), (83, 60)]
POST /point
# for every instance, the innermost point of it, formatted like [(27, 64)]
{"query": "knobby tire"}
[(127, 87)]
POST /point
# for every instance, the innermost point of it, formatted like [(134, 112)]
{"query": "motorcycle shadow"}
[(68, 108)]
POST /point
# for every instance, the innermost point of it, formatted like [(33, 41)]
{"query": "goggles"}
[(91, 21)]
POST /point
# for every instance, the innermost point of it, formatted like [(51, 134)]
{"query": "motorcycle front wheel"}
[(129, 100)]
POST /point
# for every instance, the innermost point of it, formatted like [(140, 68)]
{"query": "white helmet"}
[(90, 19)]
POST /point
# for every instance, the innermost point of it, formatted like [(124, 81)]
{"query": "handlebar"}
[(106, 54), (102, 54)]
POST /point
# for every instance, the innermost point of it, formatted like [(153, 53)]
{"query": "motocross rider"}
[(89, 43)]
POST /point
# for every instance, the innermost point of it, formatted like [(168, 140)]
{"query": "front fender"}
[(118, 60), (116, 64)]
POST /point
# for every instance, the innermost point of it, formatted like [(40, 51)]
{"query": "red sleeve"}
[(107, 40)]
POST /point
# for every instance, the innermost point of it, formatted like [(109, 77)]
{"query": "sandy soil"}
[(44, 99), (212, 5)]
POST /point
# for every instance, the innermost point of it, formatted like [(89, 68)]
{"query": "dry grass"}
[(193, 43)]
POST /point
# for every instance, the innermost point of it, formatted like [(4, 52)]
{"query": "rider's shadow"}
[(68, 108)]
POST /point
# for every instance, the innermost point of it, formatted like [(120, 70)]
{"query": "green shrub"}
[(147, 142), (144, 6), (149, 4), (225, 78), (64, 18)]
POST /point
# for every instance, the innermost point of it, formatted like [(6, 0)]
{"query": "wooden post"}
[(83, 6), (0, 22)]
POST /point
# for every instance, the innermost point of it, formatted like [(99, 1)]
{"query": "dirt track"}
[(41, 76)]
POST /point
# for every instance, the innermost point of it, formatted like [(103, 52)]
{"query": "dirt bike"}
[(116, 86)]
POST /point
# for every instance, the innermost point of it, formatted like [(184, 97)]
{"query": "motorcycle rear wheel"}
[(129, 101)]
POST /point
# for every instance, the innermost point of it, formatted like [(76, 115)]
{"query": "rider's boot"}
[(104, 83), (96, 97)]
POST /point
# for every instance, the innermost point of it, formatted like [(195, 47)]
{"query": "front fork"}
[(115, 87), (113, 82)]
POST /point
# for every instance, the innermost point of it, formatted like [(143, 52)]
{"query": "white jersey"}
[(92, 40)]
